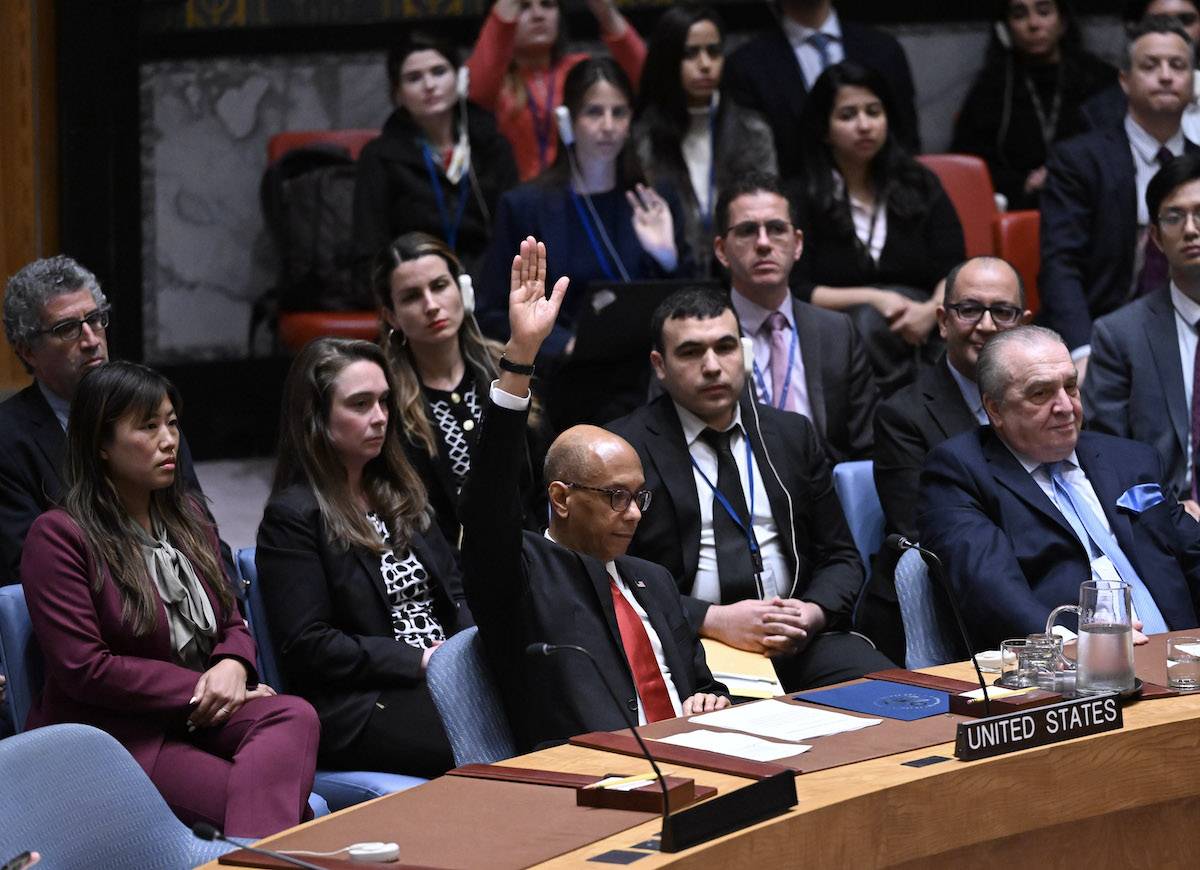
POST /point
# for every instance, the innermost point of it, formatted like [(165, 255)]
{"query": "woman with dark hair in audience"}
[(140, 633), (684, 135), (592, 208), (440, 164), (360, 586), (1028, 94), (880, 233), (443, 368), (520, 63)]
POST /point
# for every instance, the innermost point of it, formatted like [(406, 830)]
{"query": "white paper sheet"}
[(783, 721), (737, 745)]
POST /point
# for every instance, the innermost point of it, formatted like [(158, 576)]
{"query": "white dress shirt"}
[(519, 403), (752, 316), (870, 221), (775, 577), (1187, 315), (1144, 149), (970, 393), (806, 53), (697, 148)]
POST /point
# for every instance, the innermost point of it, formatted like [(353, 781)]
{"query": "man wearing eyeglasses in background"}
[(745, 515), (55, 318), (806, 359), (984, 296), (1141, 383), (574, 585)]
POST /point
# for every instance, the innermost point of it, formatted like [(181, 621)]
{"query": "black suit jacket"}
[(764, 75), (841, 388), (816, 541), (33, 448), (524, 588), (330, 616), (1134, 384), (907, 426), (1089, 231), (1011, 556)]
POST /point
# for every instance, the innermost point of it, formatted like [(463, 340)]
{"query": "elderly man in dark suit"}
[(55, 318), (573, 585), (1142, 376), (745, 514), (807, 360), (1094, 235), (773, 72), (984, 296), (1024, 510)]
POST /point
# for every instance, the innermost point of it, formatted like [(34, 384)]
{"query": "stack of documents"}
[(747, 674), (781, 721)]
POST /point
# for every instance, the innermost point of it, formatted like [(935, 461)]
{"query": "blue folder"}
[(882, 698)]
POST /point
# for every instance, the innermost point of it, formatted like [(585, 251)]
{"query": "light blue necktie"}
[(1090, 530), (820, 41)]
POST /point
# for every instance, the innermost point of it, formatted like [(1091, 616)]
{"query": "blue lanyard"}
[(543, 118), (591, 234), (787, 379), (451, 230), (746, 526)]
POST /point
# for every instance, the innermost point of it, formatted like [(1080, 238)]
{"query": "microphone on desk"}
[(901, 544), (549, 649), (205, 831)]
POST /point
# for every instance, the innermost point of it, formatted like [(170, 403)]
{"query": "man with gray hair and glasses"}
[(1025, 509), (56, 319)]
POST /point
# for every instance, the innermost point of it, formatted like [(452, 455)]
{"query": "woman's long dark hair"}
[(107, 395), (662, 107), (393, 489), (578, 82), (898, 179)]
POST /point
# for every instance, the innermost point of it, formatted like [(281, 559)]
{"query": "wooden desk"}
[(1122, 799)]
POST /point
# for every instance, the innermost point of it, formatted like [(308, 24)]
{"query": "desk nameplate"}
[(998, 735)]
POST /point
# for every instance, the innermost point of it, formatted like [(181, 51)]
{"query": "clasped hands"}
[(220, 692), (774, 627)]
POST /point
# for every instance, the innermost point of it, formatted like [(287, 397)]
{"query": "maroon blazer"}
[(97, 671)]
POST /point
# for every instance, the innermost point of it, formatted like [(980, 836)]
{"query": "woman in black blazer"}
[(685, 136), (360, 585), (443, 368), (880, 234), (439, 165)]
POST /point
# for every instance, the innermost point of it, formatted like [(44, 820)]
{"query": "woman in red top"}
[(519, 65)]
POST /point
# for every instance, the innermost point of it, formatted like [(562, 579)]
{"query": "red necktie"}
[(651, 687)]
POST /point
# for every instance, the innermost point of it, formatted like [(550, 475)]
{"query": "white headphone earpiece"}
[(562, 116), (463, 83), (467, 286), (748, 355)]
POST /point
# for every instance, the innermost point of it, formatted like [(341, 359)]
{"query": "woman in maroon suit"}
[(140, 633)]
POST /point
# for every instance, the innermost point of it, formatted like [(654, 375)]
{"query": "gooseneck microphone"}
[(548, 649), (205, 831), (902, 544)]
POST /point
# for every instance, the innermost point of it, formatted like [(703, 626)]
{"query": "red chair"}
[(969, 185), (298, 328), (1018, 238)]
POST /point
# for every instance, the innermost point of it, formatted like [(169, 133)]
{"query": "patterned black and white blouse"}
[(455, 414), (409, 594)]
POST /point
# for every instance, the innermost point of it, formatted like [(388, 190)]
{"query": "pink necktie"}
[(779, 326)]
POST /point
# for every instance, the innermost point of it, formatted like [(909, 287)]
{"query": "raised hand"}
[(531, 315), (654, 225)]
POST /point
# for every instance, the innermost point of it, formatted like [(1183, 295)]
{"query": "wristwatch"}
[(516, 368)]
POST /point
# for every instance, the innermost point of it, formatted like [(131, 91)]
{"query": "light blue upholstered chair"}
[(22, 663), (464, 692), (927, 641), (340, 788), (72, 793), (854, 483)]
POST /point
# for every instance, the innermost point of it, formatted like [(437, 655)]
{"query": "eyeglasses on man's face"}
[(747, 231), (619, 498), (972, 312), (1174, 218), (70, 330)]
